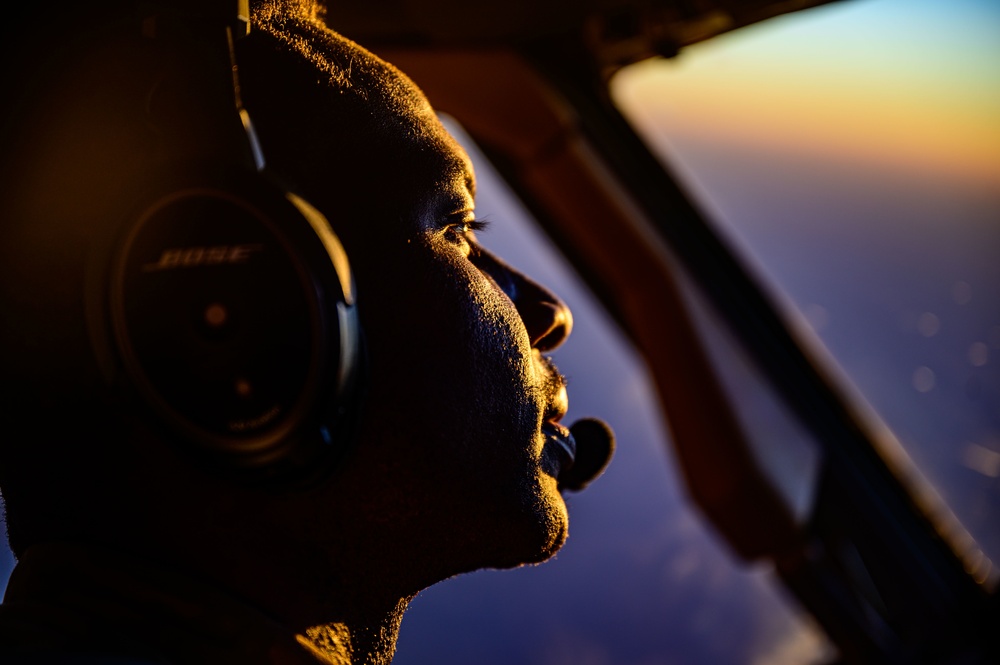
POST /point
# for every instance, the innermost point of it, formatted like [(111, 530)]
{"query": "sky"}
[(894, 82), (853, 153)]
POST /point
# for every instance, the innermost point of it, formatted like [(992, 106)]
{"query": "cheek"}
[(498, 334), (449, 348), (451, 439), (497, 353)]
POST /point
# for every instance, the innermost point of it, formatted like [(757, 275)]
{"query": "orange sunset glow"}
[(849, 80)]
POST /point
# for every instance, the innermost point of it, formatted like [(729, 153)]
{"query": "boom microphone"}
[(595, 444)]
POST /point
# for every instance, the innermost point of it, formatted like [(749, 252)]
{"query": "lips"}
[(560, 439), (583, 450)]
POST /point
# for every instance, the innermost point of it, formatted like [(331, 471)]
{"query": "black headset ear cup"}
[(232, 309)]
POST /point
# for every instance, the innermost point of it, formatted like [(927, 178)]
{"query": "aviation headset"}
[(228, 302)]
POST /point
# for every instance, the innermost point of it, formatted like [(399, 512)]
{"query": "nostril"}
[(552, 326)]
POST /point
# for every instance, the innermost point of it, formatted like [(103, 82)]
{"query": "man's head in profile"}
[(135, 543)]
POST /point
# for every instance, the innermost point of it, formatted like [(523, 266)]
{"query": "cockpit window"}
[(853, 152)]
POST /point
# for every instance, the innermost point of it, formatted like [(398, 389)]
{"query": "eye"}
[(461, 233)]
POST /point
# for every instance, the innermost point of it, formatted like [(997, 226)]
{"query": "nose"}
[(546, 317)]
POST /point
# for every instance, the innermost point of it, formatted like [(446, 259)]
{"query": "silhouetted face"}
[(459, 448)]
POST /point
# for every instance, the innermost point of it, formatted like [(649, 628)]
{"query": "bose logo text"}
[(191, 257)]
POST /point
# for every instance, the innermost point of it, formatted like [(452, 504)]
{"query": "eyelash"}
[(465, 228)]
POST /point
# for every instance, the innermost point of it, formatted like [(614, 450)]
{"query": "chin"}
[(502, 532), (540, 532), (550, 548), (557, 523)]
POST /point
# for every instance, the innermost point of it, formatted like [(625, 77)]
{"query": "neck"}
[(342, 617), (83, 595)]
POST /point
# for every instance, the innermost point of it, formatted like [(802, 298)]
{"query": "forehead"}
[(339, 109)]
